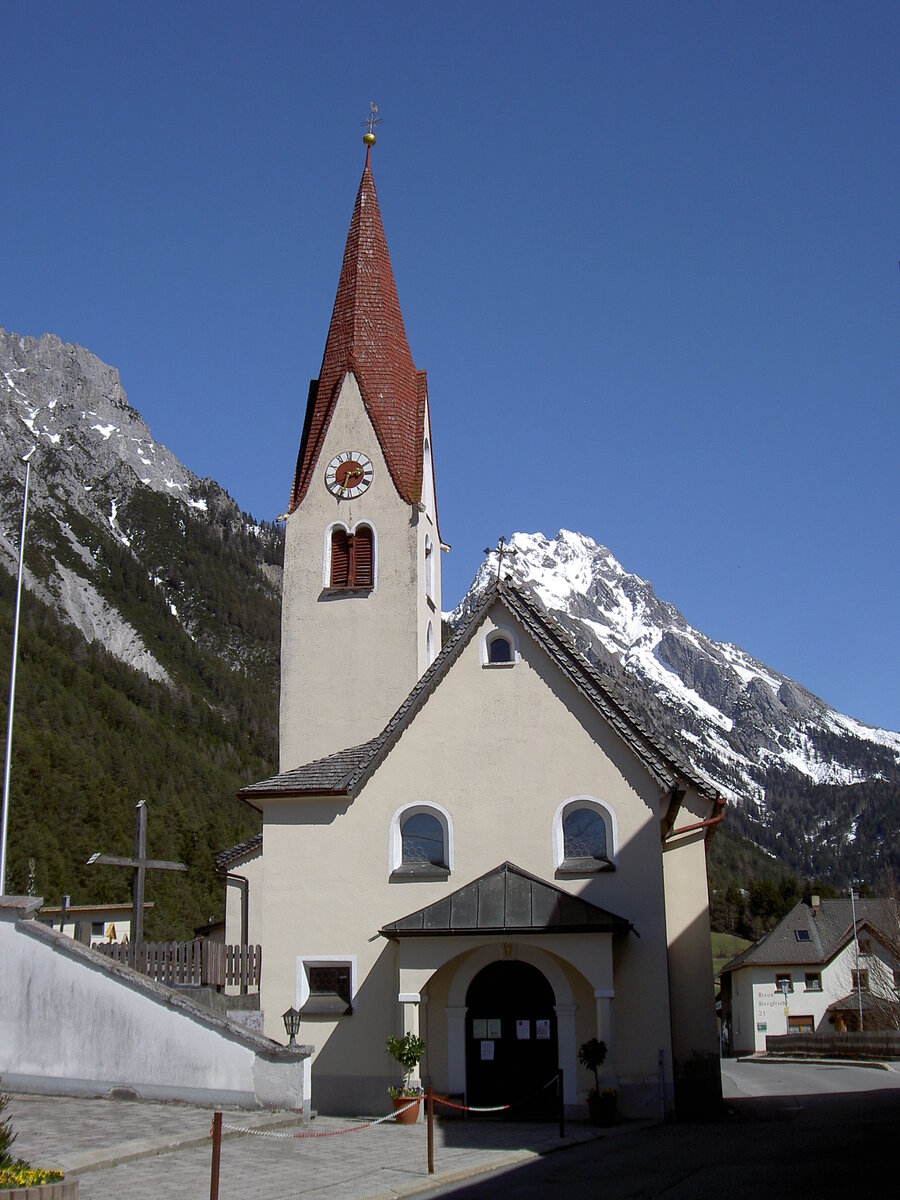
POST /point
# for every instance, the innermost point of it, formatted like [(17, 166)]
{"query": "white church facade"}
[(475, 842)]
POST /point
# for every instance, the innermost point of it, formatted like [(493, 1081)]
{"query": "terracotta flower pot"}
[(602, 1108), (411, 1115)]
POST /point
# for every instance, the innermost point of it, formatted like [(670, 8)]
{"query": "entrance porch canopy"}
[(504, 901), (461, 931)]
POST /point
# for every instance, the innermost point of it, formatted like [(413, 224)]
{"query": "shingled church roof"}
[(347, 771), (367, 337)]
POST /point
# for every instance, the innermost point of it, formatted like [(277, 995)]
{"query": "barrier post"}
[(429, 1114), (216, 1155), (561, 1102)]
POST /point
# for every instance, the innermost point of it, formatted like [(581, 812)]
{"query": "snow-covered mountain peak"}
[(733, 717)]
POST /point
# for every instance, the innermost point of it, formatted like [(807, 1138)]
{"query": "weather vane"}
[(370, 123), (502, 551)]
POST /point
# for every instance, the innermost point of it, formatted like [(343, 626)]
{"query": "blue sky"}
[(647, 253)]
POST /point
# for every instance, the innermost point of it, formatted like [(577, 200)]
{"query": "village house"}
[(92, 924), (475, 842), (815, 972)]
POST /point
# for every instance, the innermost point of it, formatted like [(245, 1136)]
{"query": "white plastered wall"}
[(74, 1023)]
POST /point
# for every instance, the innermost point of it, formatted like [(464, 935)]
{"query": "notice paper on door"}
[(523, 1030), (487, 1051), (542, 1031)]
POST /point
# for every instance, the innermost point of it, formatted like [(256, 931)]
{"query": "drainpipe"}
[(710, 822), (697, 825), (244, 884), (856, 944)]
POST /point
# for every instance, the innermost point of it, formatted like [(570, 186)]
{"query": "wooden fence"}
[(876, 1044), (199, 963)]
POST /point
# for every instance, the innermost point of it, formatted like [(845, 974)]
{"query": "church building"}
[(477, 843)]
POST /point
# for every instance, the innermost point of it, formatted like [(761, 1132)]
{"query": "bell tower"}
[(361, 607)]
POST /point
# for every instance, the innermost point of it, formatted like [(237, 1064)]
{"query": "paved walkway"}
[(144, 1151)]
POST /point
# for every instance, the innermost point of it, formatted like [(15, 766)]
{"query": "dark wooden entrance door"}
[(511, 1041)]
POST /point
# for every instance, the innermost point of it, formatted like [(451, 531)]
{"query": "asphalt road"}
[(804, 1131)]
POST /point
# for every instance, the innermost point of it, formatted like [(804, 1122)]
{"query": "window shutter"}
[(340, 558), (362, 557)]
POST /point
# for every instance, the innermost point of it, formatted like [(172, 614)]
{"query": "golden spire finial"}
[(369, 125)]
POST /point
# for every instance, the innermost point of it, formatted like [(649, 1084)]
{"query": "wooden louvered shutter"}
[(340, 558), (362, 557)]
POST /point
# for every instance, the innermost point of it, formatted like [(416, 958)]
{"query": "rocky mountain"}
[(96, 466), (815, 787), (166, 598)]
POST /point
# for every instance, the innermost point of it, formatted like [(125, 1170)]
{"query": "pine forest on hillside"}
[(93, 736)]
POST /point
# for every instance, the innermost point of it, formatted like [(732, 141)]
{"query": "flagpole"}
[(4, 820)]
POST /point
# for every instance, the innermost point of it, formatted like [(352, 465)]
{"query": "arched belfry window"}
[(421, 842), (584, 837), (352, 557)]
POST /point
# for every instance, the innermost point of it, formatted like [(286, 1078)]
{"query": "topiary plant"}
[(408, 1052), (592, 1055)]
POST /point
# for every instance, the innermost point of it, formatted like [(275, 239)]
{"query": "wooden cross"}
[(502, 551), (140, 864)]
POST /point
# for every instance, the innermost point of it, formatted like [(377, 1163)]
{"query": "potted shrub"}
[(601, 1104), (408, 1052)]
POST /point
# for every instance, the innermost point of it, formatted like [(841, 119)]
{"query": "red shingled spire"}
[(367, 337)]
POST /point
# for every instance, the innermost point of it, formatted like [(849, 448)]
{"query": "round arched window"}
[(584, 835), (423, 840)]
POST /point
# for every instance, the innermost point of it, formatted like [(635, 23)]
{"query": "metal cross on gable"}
[(140, 864), (502, 551)]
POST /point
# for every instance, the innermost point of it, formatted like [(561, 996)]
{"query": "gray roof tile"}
[(503, 900), (233, 854), (830, 928)]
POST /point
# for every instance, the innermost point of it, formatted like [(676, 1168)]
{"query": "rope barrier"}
[(324, 1133), (497, 1107), (471, 1107), (218, 1127)]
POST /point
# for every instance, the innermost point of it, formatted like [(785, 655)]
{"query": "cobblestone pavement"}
[(143, 1151)]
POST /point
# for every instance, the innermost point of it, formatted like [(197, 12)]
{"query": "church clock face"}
[(348, 474)]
